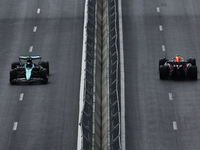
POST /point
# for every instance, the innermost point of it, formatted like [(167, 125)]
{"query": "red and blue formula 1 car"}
[(29, 69), (177, 68)]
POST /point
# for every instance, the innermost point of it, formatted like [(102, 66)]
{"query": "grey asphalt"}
[(47, 116), (151, 117)]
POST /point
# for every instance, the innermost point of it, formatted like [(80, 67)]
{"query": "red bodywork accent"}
[(170, 66)]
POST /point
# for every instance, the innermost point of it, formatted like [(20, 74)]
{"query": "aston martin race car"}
[(178, 68), (29, 68)]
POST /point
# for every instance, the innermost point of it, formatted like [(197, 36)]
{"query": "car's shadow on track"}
[(32, 83), (180, 80), (29, 83), (184, 80)]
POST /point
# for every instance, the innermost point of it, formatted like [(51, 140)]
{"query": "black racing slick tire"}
[(162, 61), (14, 65), (192, 72), (163, 72), (45, 64), (192, 61), (44, 75), (13, 75)]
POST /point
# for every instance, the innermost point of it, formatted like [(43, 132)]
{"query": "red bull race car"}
[(177, 68)]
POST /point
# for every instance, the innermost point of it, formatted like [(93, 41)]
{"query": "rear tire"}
[(162, 61), (14, 65), (45, 64), (192, 61), (192, 72), (163, 72), (13, 76)]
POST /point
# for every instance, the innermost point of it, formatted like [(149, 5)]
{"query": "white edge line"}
[(79, 138), (15, 126), (122, 78), (21, 97)]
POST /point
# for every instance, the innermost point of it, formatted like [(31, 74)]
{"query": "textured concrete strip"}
[(105, 80), (97, 79)]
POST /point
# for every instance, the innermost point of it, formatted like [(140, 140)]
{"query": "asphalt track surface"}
[(39, 116), (160, 115)]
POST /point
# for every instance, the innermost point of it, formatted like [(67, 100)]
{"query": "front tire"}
[(45, 64), (14, 65)]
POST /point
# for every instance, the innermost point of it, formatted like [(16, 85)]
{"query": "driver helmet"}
[(178, 59), (29, 64)]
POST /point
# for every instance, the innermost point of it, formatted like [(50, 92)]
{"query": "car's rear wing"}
[(29, 57), (26, 58), (177, 63)]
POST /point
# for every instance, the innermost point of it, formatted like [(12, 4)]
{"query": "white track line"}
[(15, 126), (122, 78), (21, 96), (38, 11), (170, 96), (35, 29), (160, 27), (31, 49), (175, 125), (81, 96), (158, 9), (163, 48)]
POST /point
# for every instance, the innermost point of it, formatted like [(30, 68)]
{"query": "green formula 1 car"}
[(29, 68)]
